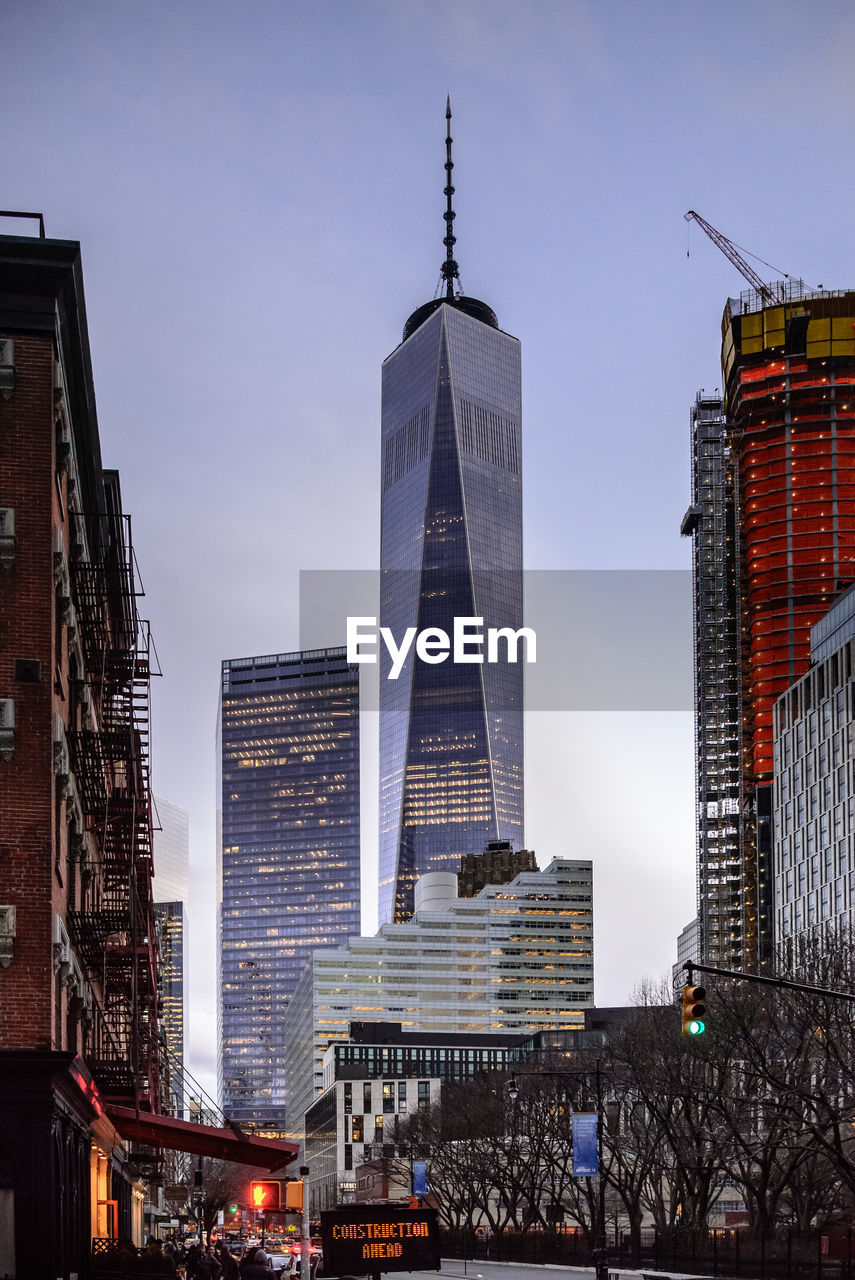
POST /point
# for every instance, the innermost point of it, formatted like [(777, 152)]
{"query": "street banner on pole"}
[(419, 1178), (584, 1129)]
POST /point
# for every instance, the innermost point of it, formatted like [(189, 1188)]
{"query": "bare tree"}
[(224, 1182)]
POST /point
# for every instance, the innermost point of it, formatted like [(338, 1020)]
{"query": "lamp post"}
[(513, 1092)]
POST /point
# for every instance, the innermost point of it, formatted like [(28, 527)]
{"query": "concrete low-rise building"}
[(372, 1083)]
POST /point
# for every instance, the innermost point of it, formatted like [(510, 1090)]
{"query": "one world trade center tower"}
[(451, 733)]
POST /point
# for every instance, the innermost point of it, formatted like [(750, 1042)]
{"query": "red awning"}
[(201, 1139)]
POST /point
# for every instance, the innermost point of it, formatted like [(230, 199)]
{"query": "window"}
[(388, 1098), (348, 1098), (402, 1095), (424, 1095), (366, 1097), (348, 1156), (378, 1128), (358, 1129)]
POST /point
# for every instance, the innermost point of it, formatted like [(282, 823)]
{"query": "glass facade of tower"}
[(451, 735), (289, 872), (171, 891), (171, 932)]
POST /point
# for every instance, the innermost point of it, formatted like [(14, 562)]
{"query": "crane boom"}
[(731, 252)]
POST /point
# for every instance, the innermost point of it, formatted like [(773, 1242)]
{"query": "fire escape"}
[(114, 931)]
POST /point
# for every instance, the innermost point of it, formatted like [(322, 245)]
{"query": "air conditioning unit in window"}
[(7, 728), (87, 702), (7, 537), (61, 576), (7, 367), (61, 763)]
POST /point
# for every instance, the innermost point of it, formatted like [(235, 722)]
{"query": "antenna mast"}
[(450, 270)]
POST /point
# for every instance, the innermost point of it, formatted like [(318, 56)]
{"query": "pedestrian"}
[(231, 1270), (255, 1265), (154, 1261), (208, 1267)]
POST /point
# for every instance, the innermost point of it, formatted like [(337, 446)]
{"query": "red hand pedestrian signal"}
[(264, 1195)]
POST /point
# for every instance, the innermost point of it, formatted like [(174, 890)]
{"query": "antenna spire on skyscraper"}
[(450, 270)]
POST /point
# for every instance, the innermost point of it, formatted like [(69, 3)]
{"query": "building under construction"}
[(787, 446), (725, 888)]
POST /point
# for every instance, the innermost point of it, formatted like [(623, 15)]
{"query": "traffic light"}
[(294, 1195), (264, 1195), (694, 1010)]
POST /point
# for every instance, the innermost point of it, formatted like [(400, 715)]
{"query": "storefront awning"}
[(201, 1139)]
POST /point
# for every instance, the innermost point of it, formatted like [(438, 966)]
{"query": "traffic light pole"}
[(305, 1238), (691, 966)]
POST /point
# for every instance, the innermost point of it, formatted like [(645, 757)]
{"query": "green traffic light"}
[(696, 1028)]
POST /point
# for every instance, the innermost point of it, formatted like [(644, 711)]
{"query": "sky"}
[(257, 190)]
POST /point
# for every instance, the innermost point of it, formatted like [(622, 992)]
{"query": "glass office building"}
[(289, 855), (171, 891), (171, 932), (451, 735)]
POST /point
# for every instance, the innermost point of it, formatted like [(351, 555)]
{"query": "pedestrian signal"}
[(264, 1195), (694, 1011)]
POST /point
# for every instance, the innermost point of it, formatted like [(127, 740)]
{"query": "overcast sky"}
[(257, 189)]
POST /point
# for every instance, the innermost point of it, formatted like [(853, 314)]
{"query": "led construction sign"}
[(379, 1238)]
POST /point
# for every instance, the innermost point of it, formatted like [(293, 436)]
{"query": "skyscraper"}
[(451, 734), (814, 809), (289, 871), (788, 364), (171, 889), (724, 877), (78, 1009)]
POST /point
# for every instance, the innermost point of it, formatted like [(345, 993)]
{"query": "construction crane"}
[(731, 251)]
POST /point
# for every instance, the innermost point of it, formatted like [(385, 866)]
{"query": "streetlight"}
[(513, 1094)]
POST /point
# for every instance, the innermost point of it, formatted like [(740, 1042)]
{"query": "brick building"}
[(82, 1084), (78, 1012), (498, 864)]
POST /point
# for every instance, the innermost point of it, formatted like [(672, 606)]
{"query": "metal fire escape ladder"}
[(116, 935)]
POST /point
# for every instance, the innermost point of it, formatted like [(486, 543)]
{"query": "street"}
[(457, 1269)]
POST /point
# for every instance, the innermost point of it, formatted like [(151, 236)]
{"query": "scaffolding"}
[(114, 931)]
